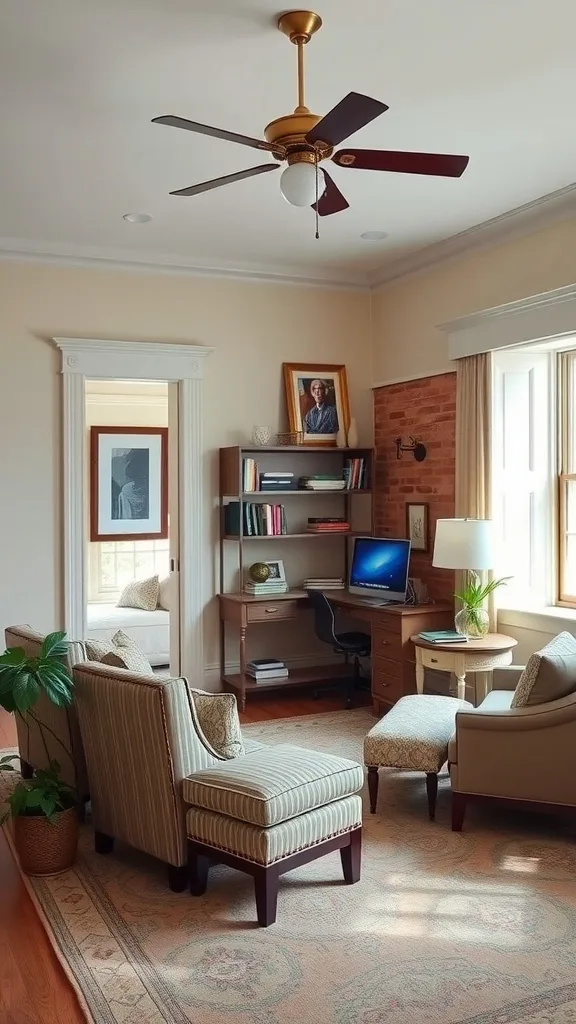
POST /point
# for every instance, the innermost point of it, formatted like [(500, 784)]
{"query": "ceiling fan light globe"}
[(298, 184)]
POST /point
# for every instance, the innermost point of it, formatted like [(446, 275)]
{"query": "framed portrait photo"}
[(128, 483), (317, 400), (417, 525), (276, 567)]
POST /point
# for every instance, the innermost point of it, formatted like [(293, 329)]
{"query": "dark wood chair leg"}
[(432, 791), (351, 857), (103, 843), (198, 868), (26, 769), (177, 877), (266, 892), (458, 811), (373, 787)]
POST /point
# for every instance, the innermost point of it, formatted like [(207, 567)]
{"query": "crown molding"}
[(110, 360), (22, 250), (506, 227)]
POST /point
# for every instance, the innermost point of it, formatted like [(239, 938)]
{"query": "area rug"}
[(444, 928)]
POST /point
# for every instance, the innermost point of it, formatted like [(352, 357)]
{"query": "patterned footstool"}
[(413, 735), (270, 811)]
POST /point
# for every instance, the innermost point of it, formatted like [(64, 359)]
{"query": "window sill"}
[(547, 619)]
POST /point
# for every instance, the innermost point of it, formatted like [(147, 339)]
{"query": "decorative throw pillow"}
[(549, 674), (218, 719), (141, 594), (165, 593), (121, 652)]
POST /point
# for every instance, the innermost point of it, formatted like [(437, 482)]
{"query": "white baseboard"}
[(212, 672)]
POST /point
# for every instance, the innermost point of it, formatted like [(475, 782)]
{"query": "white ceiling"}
[(80, 81)]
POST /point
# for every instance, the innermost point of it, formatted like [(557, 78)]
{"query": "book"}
[(268, 673), (263, 664), (259, 519), (273, 474), (326, 519), (443, 636)]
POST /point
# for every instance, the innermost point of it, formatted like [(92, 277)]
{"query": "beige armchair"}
[(60, 739), (141, 738), (523, 754)]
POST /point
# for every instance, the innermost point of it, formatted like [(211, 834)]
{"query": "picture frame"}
[(128, 483), (417, 525), (276, 566), (317, 401)]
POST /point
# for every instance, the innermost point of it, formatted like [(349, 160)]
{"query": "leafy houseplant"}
[(472, 620), (44, 807)]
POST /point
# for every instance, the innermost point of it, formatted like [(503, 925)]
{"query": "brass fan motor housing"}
[(290, 131)]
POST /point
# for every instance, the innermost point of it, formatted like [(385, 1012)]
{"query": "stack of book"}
[(278, 481), (323, 482), (324, 583), (442, 636), (327, 524), (259, 519), (249, 475), (262, 670), (356, 474), (269, 587)]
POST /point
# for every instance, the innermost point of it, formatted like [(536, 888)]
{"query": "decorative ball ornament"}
[(259, 572)]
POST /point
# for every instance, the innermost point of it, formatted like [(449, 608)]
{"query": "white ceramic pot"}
[(261, 435)]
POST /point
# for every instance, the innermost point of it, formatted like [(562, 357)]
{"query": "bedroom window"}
[(567, 478), (114, 564)]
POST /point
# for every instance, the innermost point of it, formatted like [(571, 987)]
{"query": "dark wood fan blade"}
[(347, 117), (205, 186), (217, 133), (439, 164), (331, 200)]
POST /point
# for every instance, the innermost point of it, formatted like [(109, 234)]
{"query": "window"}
[(567, 478), (114, 564)]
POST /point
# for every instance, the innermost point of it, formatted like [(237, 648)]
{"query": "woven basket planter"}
[(44, 847)]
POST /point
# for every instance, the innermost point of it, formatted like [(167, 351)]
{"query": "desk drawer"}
[(387, 680), (386, 643), (268, 611), (442, 661)]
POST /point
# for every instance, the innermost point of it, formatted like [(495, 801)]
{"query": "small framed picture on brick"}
[(417, 525)]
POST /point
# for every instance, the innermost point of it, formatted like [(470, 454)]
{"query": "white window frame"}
[(97, 591)]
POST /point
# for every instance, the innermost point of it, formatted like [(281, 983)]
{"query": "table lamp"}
[(468, 544)]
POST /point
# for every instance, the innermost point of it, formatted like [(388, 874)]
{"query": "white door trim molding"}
[(536, 318), (84, 358)]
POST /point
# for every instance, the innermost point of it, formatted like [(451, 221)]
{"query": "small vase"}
[(341, 441), (352, 434), (261, 436), (474, 623)]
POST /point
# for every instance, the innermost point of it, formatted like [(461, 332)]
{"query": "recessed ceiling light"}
[(374, 236), (136, 218)]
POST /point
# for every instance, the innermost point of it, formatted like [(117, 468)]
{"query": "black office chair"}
[(353, 644)]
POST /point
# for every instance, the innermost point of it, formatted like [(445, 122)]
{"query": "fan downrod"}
[(290, 130)]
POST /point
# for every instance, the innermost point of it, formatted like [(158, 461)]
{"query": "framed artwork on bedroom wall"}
[(128, 483), (417, 529), (317, 400)]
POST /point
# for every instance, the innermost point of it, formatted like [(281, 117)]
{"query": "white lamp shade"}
[(298, 184), (464, 544)]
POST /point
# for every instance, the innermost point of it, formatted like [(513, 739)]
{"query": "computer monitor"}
[(380, 568)]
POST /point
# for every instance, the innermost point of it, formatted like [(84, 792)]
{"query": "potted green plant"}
[(44, 808), (473, 620)]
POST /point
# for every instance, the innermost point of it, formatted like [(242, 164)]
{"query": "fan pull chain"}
[(317, 197)]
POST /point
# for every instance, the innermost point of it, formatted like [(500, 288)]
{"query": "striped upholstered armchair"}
[(142, 738), (61, 739)]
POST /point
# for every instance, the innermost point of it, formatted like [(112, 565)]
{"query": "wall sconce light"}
[(416, 447)]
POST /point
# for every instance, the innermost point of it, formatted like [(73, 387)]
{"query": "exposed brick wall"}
[(426, 410)]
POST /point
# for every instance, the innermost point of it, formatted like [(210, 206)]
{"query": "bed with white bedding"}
[(150, 630)]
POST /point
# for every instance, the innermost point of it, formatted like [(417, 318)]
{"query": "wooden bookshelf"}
[(302, 460)]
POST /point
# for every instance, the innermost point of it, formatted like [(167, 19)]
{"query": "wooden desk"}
[(492, 651), (391, 626)]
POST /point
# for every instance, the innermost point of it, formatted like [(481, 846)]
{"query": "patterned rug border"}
[(306, 718)]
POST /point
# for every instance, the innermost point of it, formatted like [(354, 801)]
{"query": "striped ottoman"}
[(270, 811), (414, 735)]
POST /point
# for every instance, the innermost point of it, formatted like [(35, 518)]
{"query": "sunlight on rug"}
[(446, 928)]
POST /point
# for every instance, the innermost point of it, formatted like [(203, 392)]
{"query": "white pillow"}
[(219, 721), (121, 652), (165, 594), (141, 594)]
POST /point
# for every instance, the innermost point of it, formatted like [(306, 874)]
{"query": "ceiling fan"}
[(303, 140)]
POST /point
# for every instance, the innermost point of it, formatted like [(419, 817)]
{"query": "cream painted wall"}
[(253, 328), (405, 315)]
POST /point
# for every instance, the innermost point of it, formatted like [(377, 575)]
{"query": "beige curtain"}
[(473, 445)]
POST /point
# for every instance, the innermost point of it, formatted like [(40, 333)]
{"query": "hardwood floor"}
[(33, 986)]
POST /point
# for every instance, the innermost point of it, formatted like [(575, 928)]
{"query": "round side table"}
[(493, 651)]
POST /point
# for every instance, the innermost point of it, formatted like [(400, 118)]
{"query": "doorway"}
[(181, 367)]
